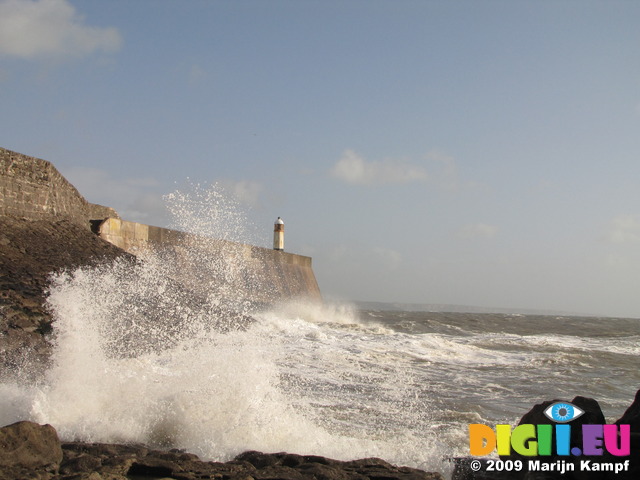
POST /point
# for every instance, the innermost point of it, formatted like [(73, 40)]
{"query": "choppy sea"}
[(137, 360), (325, 380)]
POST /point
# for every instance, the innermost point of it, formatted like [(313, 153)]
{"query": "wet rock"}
[(31, 451), (30, 251), (291, 466), (29, 445), (81, 463), (631, 416), (259, 459)]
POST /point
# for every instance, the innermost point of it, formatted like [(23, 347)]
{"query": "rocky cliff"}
[(44, 228)]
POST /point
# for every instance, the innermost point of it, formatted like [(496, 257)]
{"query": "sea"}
[(136, 360)]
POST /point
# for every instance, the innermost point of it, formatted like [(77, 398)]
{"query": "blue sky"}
[(464, 152)]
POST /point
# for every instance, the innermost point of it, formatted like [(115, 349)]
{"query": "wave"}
[(144, 354)]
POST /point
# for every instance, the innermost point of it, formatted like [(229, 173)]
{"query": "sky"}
[(480, 152)]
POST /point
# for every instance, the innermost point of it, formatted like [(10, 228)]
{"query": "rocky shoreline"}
[(37, 239), (32, 451), (44, 228)]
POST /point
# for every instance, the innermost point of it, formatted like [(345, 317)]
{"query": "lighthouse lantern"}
[(278, 235)]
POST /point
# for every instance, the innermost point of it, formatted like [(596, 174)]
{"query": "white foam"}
[(136, 359)]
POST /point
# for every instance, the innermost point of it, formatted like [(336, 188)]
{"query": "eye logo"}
[(563, 412)]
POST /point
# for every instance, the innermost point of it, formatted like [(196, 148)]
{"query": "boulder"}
[(29, 450), (29, 445), (632, 415)]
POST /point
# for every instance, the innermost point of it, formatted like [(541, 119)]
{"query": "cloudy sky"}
[(454, 152)]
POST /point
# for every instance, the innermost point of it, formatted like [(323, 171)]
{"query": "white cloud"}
[(245, 191), (624, 228), (478, 230), (38, 28), (146, 207), (352, 168), (133, 198)]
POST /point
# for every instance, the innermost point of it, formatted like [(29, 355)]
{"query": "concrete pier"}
[(263, 275), (32, 189)]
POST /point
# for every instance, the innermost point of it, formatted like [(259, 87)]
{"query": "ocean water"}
[(311, 379), (138, 358)]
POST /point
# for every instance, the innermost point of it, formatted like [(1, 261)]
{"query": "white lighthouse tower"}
[(278, 235)]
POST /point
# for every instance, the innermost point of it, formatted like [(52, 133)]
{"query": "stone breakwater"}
[(267, 274), (46, 227), (33, 189), (29, 450)]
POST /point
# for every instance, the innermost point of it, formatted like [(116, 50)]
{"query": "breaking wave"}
[(146, 353)]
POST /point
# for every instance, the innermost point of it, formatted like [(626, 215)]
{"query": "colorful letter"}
[(503, 432), (523, 440), (544, 439), (611, 440), (482, 440), (563, 439), (592, 439)]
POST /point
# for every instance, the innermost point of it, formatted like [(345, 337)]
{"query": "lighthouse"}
[(278, 235)]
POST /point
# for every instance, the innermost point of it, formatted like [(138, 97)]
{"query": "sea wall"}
[(260, 274), (32, 188)]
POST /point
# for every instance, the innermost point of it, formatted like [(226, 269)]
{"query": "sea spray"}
[(168, 349), (280, 382), (211, 392), (211, 210)]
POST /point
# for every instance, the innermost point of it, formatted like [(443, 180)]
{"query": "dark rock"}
[(632, 415), (29, 445), (153, 467), (592, 415), (318, 459), (323, 472), (296, 467), (368, 462), (104, 450), (31, 451), (81, 463), (291, 460), (592, 411), (280, 473), (259, 459), (32, 251)]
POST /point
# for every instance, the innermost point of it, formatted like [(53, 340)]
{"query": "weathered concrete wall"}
[(261, 274), (32, 188)]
